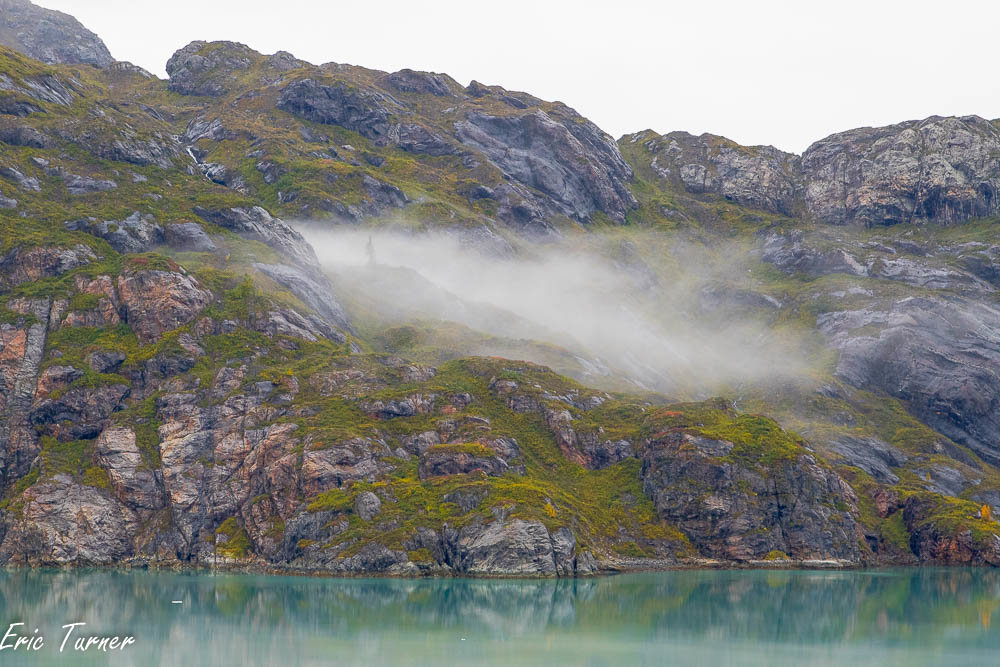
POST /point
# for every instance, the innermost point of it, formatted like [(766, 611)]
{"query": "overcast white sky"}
[(775, 72)]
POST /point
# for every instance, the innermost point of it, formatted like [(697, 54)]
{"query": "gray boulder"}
[(24, 135), (136, 233), (367, 505), (189, 236), (26, 183), (514, 547)]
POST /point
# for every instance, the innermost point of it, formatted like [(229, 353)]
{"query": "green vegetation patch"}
[(237, 543)]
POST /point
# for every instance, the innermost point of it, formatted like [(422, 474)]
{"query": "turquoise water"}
[(886, 617)]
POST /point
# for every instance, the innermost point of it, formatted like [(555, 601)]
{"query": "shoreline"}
[(605, 569)]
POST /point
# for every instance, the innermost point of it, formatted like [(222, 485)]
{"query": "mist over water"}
[(621, 317)]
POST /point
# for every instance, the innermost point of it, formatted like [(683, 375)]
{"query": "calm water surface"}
[(887, 617)]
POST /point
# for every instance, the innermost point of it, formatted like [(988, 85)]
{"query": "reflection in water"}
[(910, 617)]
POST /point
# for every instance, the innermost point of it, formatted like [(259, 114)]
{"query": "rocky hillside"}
[(180, 382), (49, 36), (936, 170)]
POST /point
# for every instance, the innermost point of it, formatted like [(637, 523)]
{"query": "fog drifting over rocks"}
[(690, 335)]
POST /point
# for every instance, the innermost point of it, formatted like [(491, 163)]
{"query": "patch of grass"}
[(895, 533), (19, 487), (471, 448), (334, 500), (237, 544), (98, 477)]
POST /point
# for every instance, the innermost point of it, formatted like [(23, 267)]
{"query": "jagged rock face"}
[(737, 511), (439, 460), (135, 483), (180, 431), (158, 301), (416, 138), (515, 547), (22, 265), (342, 463), (362, 111), (21, 349), (938, 169), (587, 447), (67, 522), (126, 146), (49, 36), (557, 163), (25, 97), (201, 68), (78, 413), (931, 544), (257, 224), (577, 165), (759, 176), (24, 135), (872, 455), (217, 459)]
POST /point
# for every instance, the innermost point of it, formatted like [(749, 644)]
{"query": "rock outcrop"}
[(936, 351), (575, 164), (49, 36), (136, 233), (758, 176), (155, 301), (940, 356), (336, 103), (209, 69), (737, 510), (940, 169)]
